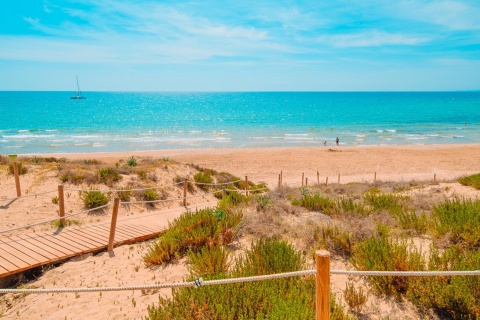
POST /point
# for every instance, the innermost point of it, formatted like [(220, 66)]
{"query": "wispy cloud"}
[(371, 39), (453, 15)]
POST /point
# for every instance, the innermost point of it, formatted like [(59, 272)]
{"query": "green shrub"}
[(460, 219), (132, 161), (232, 199), (385, 201), (471, 181), (355, 299), (191, 232), (124, 195), (55, 200), (21, 168), (94, 199), (350, 205), (381, 253), (142, 174), (109, 175), (150, 195), (452, 297), (409, 219), (316, 202), (209, 261), (203, 180), (286, 298), (333, 239)]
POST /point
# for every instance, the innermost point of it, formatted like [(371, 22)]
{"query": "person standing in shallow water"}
[(337, 141)]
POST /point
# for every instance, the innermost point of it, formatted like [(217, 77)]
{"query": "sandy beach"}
[(354, 164)]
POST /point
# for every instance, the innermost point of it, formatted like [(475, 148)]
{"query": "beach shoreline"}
[(353, 164)]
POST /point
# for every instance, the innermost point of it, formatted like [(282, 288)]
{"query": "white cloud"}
[(454, 15)]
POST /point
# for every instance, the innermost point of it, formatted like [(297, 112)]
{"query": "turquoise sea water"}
[(50, 122)]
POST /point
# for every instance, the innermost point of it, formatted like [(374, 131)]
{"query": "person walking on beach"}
[(337, 141)]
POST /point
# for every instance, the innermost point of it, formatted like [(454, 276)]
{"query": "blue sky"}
[(321, 45)]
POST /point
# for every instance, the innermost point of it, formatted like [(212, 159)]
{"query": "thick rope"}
[(200, 282), (407, 273), (28, 195), (216, 184), (54, 219)]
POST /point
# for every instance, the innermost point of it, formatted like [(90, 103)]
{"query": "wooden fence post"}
[(326, 181), (303, 177), (17, 179), (339, 178), (281, 176), (279, 180), (113, 225), (318, 177), (375, 177), (185, 186), (322, 286), (306, 182), (223, 192), (61, 205), (246, 186)]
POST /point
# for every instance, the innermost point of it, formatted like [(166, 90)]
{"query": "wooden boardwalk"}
[(26, 251)]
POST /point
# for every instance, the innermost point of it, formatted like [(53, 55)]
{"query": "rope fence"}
[(322, 280), (200, 282)]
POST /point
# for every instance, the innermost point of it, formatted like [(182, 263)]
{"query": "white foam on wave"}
[(296, 134), (87, 136), (391, 130), (28, 136)]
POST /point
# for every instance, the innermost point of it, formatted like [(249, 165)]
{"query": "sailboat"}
[(79, 93)]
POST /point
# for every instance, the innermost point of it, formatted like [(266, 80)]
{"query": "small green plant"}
[(142, 174), (37, 160), (381, 253), (203, 180), (471, 181), (460, 219), (190, 232), (20, 167), (124, 195), (55, 200), (150, 195), (336, 240), (132, 161), (109, 175), (68, 222), (316, 202), (94, 199), (354, 298), (209, 261)]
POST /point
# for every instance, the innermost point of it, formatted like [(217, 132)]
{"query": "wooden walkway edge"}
[(27, 251)]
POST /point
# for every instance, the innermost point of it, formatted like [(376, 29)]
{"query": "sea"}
[(51, 122)]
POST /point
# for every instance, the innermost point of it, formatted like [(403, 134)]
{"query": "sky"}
[(208, 45)]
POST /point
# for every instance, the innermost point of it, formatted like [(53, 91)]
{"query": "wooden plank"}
[(3, 271), (89, 234), (7, 265), (6, 253), (98, 233), (70, 242), (84, 242), (16, 257), (140, 228), (25, 250), (119, 234), (53, 244), (39, 247)]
